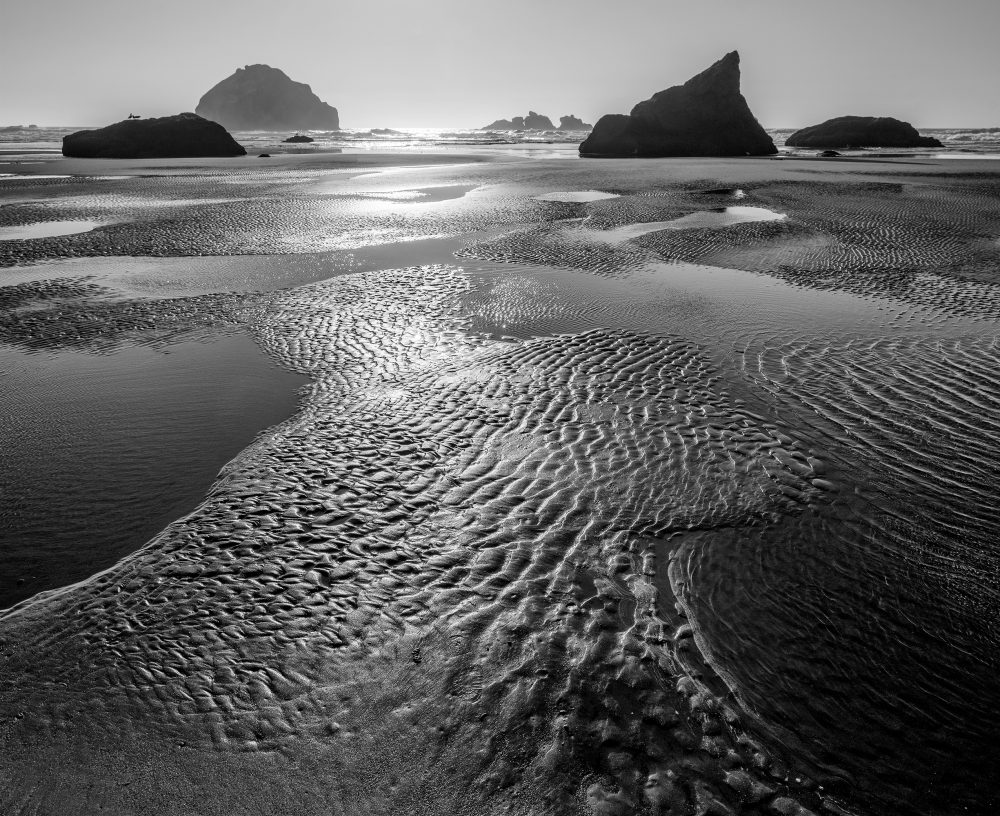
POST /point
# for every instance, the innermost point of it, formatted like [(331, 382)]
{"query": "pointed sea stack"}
[(706, 116), (183, 136), (861, 131), (259, 97)]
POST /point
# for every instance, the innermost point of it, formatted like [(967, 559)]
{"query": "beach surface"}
[(580, 487)]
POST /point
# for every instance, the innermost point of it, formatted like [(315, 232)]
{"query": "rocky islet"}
[(259, 97), (706, 116), (185, 135), (860, 132)]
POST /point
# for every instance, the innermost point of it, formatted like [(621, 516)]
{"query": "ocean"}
[(959, 143)]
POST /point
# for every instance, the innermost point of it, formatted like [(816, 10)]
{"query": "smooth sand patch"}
[(576, 197)]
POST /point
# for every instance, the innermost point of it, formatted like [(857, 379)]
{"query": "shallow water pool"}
[(47, 229), (100, 452)]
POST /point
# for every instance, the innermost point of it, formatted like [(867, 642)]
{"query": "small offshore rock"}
[(860, 131)]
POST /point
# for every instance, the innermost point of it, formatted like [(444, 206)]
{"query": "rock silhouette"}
[(504, 124), (533, 121), (259, 97), (860, 131), (185, 135), (706, 116), (572, 123)]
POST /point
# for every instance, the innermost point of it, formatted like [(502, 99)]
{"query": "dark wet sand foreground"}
[(617, 487)]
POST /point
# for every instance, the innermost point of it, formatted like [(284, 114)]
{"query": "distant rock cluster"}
[(706, 116), (185, 135), (535, 121), (259, 97)]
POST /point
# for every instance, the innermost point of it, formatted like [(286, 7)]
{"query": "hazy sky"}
[(466, 62)]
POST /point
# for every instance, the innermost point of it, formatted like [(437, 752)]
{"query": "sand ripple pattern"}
[(448, 584), (243, 214), (929, 244), (887, 625), (78, 314), (434, 587)]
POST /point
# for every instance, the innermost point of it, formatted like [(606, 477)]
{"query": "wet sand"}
[(576, 515)]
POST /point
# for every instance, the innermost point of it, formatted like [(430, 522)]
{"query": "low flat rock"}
[(861, 131), (706, 116), (185, 135)]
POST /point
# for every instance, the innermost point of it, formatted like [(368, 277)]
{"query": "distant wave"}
[(32, 134), (984, 135), (401, 138)]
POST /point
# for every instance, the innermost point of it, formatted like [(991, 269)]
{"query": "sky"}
[(464, 63)]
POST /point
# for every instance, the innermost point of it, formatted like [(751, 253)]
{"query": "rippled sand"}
[(576, 515)]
